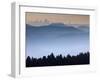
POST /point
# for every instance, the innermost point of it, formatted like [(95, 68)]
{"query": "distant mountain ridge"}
[(60, 26)]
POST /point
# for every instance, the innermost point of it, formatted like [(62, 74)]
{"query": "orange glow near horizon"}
[(57, 18)]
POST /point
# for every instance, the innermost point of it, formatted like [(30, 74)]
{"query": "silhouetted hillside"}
[(52, 60)]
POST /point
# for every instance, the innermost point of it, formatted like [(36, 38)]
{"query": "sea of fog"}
[(56, 38)]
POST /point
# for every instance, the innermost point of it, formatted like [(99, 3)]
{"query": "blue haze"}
[(57, 38)]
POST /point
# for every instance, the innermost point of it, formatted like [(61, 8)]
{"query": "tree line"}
[(52, 60)]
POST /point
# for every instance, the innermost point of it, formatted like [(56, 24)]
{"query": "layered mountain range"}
[(57, 38)]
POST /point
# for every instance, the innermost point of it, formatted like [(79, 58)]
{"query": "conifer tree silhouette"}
[(52, 60)]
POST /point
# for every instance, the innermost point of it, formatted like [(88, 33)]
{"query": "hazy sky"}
[(32, 18)]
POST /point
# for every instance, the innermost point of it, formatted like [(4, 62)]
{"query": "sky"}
[(45, 18)]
